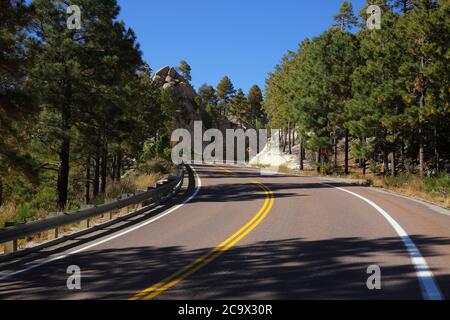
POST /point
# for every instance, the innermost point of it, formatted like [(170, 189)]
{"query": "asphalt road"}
[(247, 236)]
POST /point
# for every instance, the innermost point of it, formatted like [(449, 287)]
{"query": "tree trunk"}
[(318, 156), (96, 181), (436, 150), (87, 183), (293, 136), (364, 166), (63, 174), (119, 165), (402, 155), (104, 170), (335, 152), (346, 151), (64, 159), (385, 163), (421, 153), (393, 164), (301, 156), (1, 191), (422, 107), (64, 154), (113, 167), (289, 137)]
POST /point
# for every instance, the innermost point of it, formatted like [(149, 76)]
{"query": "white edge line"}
[(161, 215), (430, 289)]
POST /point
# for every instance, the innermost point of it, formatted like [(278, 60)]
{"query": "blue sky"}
[(243, 39)]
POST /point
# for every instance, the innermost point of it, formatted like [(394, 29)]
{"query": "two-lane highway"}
[(246, 236)]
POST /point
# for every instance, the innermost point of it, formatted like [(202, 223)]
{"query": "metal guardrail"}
[(10, 235)]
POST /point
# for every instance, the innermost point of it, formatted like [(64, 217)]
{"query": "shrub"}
[(325, 168), (119, 188), (144, 181), (157, 165), (44, 199), (438, 186), (7, 212), (375, 168), (25, 212), (284, 169)]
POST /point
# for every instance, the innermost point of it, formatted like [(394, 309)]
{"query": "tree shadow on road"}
[(283, 269)]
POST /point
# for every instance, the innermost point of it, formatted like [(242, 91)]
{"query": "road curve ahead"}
[(246, 236)]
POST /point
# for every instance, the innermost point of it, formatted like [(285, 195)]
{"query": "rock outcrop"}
[(184, 96), (182, 93)]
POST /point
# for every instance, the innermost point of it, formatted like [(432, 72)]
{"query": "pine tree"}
[(225, 92), (423, 70), (81, 78), (345, 19), (208, 102), (255, 100), (376, 108), (404, 5), (240, 109), (17, 105), (185, 69)]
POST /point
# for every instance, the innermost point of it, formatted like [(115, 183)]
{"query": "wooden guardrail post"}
[(10, 246), (52, 225), (53, 234), (85, 224)]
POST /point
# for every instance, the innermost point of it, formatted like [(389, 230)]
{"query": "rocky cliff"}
[(183, 94)]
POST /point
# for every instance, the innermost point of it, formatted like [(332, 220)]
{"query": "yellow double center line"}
[(226, 245), (225, 169)]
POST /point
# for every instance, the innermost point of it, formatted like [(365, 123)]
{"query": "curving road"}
[(240, 235)]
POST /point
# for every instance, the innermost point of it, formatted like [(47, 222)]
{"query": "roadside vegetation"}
[(430, 189), (80, 120), (41, 204), (371, 103)]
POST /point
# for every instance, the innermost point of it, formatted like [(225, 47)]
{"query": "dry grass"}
[(145, 176), (143, 181), (416, 187), (259, 166), (7, 212), (433, 190), (285, 169)]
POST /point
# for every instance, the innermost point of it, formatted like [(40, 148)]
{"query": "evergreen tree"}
[(255, 100), (345, 19), (185, 70), (208, 102), (240, 109), (376, 107), (81, 77), (225, 92), (208, 94), (17, 105), (424, 71)]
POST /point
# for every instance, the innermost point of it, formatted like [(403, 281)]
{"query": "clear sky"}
[(243, 39)]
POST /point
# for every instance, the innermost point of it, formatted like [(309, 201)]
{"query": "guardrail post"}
[(10, 246), (85, 224), (164, 189), (53, 234)]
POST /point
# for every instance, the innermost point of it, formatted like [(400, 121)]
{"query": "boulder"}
[(163, 72), (173, 73), (182, 92)]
